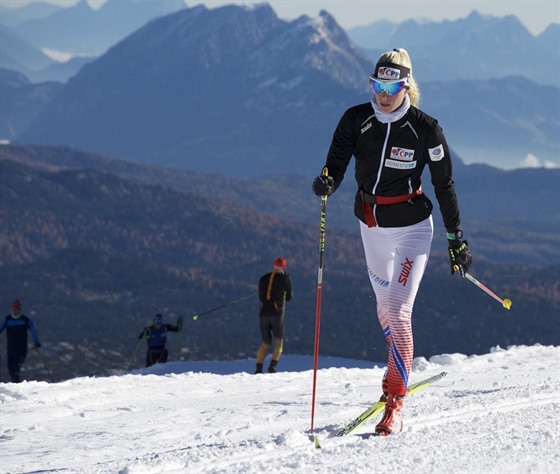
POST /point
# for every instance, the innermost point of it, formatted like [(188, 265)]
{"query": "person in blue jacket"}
[(17, 325), (156, 335)]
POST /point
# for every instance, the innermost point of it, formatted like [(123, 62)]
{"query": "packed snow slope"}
[(492, 413)]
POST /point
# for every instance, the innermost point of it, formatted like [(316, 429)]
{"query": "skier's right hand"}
[(323, 185)]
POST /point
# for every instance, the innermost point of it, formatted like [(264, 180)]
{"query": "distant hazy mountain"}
[(498, 121), (232, 89), (81, 30), (238, 91), (22, 101), (548, 39), (477, 47), (32, 11), (19, 55), (61, 71)]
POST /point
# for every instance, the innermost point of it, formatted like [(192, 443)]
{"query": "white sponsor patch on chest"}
[(400, 165), (437, 153), (404, 154)]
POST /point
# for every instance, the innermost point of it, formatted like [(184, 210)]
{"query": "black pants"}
[(15, 361), (157, 356)]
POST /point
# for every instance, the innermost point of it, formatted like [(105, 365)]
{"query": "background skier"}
[(275, 288), (156, 335), (17, 325)]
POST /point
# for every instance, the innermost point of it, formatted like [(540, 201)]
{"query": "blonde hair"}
[(400, 56)]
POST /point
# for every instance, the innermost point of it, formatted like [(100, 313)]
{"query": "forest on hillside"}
[(94, 255)]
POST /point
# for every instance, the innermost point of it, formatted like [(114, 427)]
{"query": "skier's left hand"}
[(460, 256)]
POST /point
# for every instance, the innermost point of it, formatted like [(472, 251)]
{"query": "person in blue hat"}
[(17, 325), (156, 337)]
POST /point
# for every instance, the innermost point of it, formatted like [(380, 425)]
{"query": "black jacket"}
[(274, 288), (16, 329), (390, 159)]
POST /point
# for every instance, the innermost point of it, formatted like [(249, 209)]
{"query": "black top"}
[(16, 329), (274, 288), (390, 158)]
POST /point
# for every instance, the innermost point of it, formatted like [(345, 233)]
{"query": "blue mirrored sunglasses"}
[(390, 88)]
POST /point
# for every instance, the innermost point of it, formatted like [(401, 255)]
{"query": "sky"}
[(493, 413), (536, 15)]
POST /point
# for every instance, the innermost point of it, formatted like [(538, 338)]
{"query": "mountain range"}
[(95, 246), (81, 29), (287, 85), (22, 101), (18, 55), (501, 46), (34, 35), (477, 47)]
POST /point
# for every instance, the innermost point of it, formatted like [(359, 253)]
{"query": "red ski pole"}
[(319, 294)]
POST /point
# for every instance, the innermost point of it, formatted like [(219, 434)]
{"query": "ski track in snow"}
[(495, 413)]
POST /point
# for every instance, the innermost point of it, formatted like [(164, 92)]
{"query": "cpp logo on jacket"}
[(437, 153), (403, 154)]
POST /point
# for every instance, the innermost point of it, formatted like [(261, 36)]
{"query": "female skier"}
[(392, 141)]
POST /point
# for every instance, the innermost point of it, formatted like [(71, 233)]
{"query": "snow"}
[(492, 413)]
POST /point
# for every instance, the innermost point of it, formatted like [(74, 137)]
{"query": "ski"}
[(378, 407), (371, 412)]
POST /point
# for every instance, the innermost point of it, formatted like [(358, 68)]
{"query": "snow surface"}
[(493, 413)]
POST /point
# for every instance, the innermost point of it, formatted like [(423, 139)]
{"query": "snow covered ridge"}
[(493, 413)]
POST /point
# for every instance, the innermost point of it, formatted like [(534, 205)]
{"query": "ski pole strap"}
[(324, 172)]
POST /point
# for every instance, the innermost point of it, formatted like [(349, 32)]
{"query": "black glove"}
[(459, 255), (37, 346), (323, 185)]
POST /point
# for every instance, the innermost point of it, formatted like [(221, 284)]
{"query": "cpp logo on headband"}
[(389, 73)]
